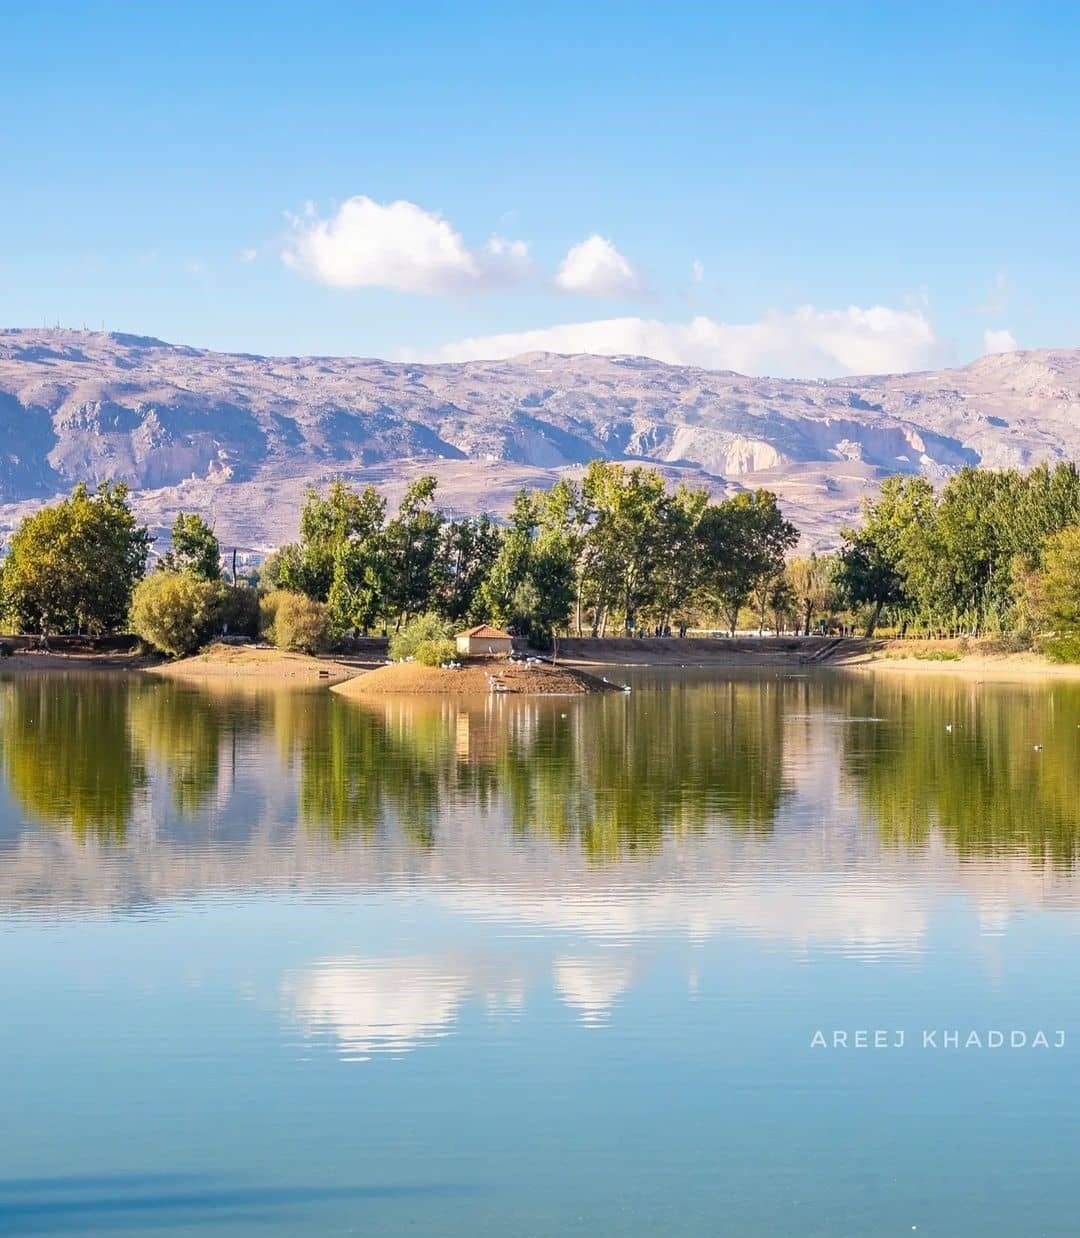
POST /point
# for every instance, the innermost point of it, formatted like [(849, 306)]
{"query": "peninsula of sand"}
[(475, 677), (257, 664)]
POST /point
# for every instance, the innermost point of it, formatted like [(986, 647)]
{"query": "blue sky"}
[(778, 188)]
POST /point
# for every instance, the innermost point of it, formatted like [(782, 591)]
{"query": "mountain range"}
[(241, 437)]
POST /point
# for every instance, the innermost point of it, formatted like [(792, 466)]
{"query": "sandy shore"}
[(250, 663), (474, 679), (989, 668), (934, 657)]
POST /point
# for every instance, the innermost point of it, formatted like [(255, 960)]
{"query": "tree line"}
[(615, 552), (993, 552)]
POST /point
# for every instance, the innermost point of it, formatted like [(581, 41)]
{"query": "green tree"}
[(467, 551), (194, 551), (893, 555), (412, 544), (565, 519), (327, 525), (73, 565), (510, 569), (743, 541), (1049, 501), (676, 576), (782, 602), (628, 507), (813, 587), (1053, 595), (971, 570), (358, 592), (530, 584), (869, 576)]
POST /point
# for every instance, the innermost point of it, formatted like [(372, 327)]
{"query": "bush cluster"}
[(426, 637), (294, 622), (176, 613), (435, 652)]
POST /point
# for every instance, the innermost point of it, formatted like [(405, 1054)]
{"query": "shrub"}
[(424, 629), (1062, 648), (294, 622), (435, 652), (237, 611), (173, 613)]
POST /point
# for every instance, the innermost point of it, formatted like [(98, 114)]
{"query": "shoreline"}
[(224, 664), (37, 661), (984, 668)]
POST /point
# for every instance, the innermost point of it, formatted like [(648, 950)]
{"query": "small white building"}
[(484, 641)]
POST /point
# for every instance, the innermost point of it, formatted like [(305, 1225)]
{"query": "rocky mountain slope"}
[(242, 437)]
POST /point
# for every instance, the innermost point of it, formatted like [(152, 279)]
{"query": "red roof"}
[(486, 631)]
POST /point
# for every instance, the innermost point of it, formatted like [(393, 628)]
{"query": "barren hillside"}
[(242, 437)]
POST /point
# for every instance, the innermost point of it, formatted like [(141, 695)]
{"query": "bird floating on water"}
[(1038, 747), (948, 726)]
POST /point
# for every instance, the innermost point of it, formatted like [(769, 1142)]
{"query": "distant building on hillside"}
[(484, 641)]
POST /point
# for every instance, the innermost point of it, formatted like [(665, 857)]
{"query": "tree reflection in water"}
[(67, 753), (613, 775), (992, 768)]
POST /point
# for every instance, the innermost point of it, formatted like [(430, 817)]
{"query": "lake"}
[(660, 963)]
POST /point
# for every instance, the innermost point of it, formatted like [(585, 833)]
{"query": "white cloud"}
[(248, 255), (377, 1005), (595, 268), (591, 986), (808, 342), (999, 341), (514, 251), (397, 245), (697, 270), (882, 917)]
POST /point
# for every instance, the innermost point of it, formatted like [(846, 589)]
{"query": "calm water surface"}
[(279, 965)]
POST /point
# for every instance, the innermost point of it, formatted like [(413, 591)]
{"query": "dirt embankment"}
[(475, 677), (76, 660), (695, 651), (254, 663)]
